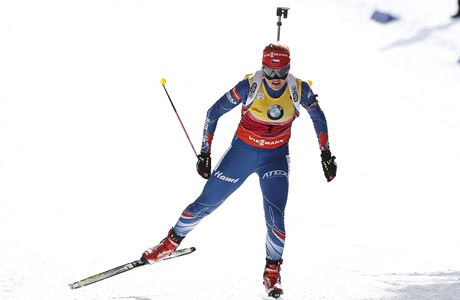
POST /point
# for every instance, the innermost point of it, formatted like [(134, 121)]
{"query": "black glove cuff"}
[(204, 155), (326, 155)]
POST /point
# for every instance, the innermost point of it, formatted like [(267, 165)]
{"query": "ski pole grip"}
[(163, 81), (282, 11)]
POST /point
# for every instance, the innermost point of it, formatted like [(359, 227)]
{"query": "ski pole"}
[(281, 12), (163, 83)]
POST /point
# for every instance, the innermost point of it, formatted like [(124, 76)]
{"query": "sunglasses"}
[(276, 74)]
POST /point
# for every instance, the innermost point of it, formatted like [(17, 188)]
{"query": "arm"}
[(227, 102), (310, 103)]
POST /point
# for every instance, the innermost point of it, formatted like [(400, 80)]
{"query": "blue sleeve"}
[(310, 102), (227, 102)]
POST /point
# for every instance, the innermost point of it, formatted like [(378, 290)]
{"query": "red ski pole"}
[(163, 83)]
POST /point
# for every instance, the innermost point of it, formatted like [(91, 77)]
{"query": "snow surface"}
[(95, 167)]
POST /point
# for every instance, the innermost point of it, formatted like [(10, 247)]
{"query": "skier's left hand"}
[(329, 165)]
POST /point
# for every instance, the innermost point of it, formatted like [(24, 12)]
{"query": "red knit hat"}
[(275, 58)]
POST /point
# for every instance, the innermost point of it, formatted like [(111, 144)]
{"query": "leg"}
[(274, 182), (236, 165)]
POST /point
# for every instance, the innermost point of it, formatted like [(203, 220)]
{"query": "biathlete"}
[(270, 99)]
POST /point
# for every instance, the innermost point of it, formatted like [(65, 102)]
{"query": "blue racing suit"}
[(260, 146)]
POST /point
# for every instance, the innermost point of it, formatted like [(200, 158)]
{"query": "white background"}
[(95, 167)]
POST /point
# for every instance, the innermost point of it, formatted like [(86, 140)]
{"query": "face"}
[(275, 78), (275, 84)]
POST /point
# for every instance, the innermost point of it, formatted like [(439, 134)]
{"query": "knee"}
[(202, 207), (196, 209)]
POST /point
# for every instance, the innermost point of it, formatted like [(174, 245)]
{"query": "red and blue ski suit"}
[(260, 146)]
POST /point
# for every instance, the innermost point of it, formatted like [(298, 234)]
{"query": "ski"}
[(126, 267)]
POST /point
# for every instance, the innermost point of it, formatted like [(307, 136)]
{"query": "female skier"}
[(270, 100)]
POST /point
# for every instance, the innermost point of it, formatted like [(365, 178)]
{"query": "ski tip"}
[(192, 249), (74, 285)]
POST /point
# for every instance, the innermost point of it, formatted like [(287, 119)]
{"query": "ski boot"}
[(167, 246), (272, 278)]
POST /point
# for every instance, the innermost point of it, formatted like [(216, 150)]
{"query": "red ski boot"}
[(167, 246), (272, 278)]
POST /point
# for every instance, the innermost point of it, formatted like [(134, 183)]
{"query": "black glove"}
[(329, 165), (203, 165)]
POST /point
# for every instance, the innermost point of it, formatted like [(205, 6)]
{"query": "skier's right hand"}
[(203, 165)]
